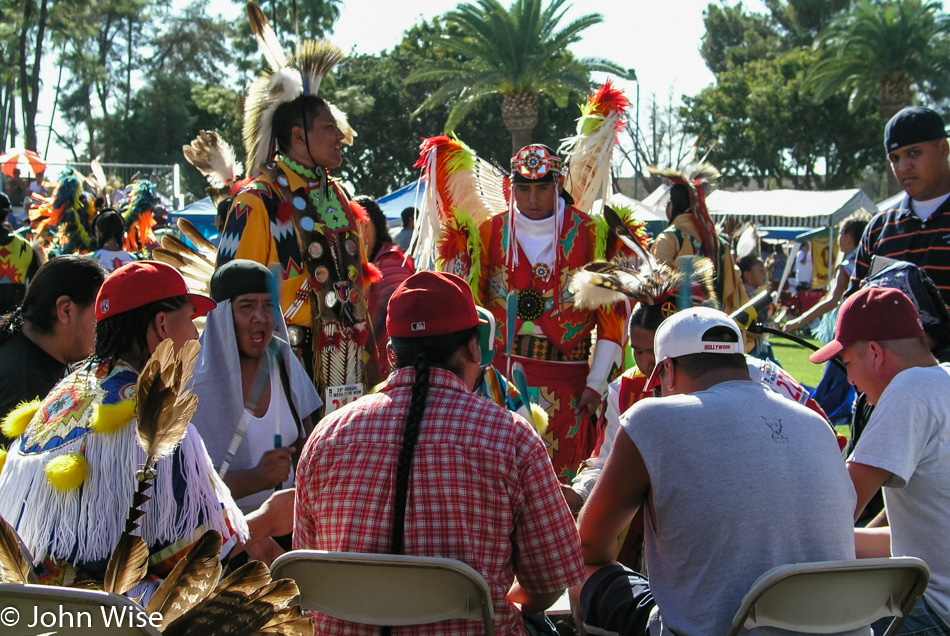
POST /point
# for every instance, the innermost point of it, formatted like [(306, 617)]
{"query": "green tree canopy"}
[(883, 53), (759, 119), (518, 53), (379, 103)]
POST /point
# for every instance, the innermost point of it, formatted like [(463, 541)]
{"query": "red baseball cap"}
[(431, 304), (874, 313), (139, 283)]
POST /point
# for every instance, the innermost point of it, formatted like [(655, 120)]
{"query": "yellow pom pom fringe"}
[(19, 418), (540, 417), (3, 458), (109, 418), (66, 472)]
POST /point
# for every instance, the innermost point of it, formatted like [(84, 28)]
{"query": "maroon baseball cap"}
[(874, 313), (140, 283), (431, 304)]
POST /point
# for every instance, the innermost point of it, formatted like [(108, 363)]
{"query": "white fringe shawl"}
[(83, 525)]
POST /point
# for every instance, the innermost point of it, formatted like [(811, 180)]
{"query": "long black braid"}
[(422, 354), (410, 434), (127, 331)]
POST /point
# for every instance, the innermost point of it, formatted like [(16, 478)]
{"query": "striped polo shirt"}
[(900, 234)]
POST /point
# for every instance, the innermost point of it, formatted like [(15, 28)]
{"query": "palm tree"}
[(886, 52), (518, 53)]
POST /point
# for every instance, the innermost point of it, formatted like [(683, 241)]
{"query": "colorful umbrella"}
[(17, 158)]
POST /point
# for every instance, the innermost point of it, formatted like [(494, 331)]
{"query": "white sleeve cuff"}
[(607, 355)]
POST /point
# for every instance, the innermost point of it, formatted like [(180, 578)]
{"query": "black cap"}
[(239, 277), (912, 125)]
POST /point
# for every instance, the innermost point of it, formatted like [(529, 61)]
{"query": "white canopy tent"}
[(790, 208), (822, 210)]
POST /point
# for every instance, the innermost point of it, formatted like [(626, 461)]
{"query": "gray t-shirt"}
[(908, 435), (742, 480)]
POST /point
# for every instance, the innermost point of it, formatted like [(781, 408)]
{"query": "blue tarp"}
[(395, 202), (201, 213)]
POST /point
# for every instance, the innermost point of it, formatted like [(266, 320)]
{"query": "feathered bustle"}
[(213, 157), (603, 283), (127, 565), (190, 581)]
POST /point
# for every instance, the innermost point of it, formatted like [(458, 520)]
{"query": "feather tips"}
[(589, 152), (127, 565), (601, 283), (213, 157), (243, 603), (193, 234), (315, 58), (190, 581), (14, 557), (164, 403), (267, 40)]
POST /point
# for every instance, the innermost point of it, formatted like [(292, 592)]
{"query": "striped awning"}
[(790, 208)]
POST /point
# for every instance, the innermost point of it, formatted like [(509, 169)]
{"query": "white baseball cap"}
[(682, 334)]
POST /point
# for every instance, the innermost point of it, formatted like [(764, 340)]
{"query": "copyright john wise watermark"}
[(60, 617)]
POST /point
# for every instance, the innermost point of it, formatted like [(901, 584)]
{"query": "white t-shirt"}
[(925, 209), (260, 437), (112, 260), (803, 270), (909, 436)]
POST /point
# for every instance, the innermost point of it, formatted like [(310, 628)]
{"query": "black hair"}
[(408, 216), (5, 207), (646, 316), (679, 197), (127, 331), (422, 354), (378, 219), (109, 223), (297, 112), (854, 228), (78, 277), (696, 365), (747, 262)]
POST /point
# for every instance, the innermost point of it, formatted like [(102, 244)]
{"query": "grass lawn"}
[(794, 359)]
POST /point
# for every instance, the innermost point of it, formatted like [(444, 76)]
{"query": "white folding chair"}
[(385, 589), (73, 611), (833, 596)]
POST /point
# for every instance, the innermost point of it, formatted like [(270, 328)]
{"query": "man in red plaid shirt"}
[(425, 467)]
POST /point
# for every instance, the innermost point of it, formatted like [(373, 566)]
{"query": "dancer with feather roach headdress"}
[(692, 232), (64, 220), (518, 242), (295, 216)]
